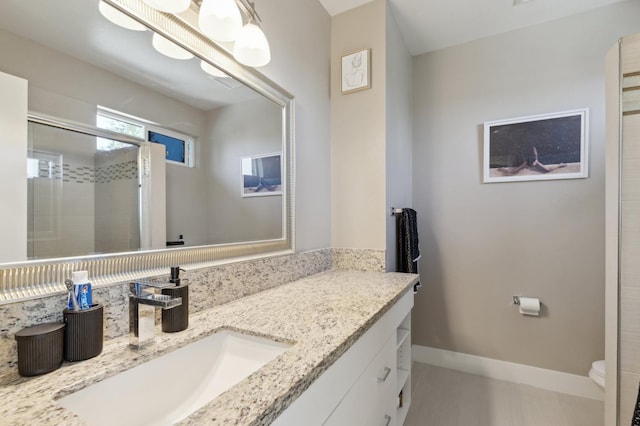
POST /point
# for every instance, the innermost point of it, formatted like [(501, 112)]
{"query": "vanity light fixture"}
[(169, 6), (251, 47), (220, 20), (120, 19), (169, 48)]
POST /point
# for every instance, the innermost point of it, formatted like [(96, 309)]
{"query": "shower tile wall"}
[(629, 351), (116, 201)]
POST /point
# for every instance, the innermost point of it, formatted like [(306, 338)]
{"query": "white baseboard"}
[(556, 381)]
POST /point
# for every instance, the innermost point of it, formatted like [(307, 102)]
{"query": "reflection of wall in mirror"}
[(235, 218)]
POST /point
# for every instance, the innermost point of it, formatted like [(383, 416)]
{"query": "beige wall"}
[(398, 112), (371, 132), (483, 243), (358, 133)]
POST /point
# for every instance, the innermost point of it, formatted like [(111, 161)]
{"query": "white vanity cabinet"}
[(370, 400), (362, 387)]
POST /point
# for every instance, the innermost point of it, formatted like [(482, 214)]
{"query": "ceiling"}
[(428, 25)]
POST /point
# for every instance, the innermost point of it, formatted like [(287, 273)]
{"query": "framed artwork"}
[(262, 175), (356, 71), (538, 147)]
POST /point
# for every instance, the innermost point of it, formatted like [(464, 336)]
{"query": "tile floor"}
[(442, 397)]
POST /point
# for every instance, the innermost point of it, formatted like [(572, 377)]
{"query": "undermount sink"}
[(169, 388)]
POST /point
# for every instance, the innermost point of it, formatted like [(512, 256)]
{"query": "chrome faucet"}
[(143, 300)]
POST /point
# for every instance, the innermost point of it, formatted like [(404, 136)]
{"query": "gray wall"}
[(483, 243), (300, 43), (398, 112)]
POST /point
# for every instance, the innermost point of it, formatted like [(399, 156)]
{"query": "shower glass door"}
[(83, 194)]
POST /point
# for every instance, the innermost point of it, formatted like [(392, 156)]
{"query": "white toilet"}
[(597, 373)]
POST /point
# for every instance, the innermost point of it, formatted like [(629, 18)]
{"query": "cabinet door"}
[(370, 401)]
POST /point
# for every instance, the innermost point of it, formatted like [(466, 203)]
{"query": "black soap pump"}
[(177, 318), (175, 275)]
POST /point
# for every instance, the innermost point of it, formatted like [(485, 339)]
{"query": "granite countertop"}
[(321, 315)]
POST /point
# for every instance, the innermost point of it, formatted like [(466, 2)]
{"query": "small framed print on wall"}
[(356, 71)]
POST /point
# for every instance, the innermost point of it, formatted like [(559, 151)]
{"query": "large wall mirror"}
[(102, 104)]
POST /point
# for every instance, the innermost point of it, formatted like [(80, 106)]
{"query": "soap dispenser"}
[(176, 319)]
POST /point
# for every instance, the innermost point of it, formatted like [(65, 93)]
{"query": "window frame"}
[(149, 126)]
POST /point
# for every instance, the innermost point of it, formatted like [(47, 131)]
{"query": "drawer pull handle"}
[(388, 419), (387, 370)]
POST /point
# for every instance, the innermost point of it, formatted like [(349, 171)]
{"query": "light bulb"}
[(120, 19), (169, 6), (220, 20), (251, 47), (211, 70), (169, 48)]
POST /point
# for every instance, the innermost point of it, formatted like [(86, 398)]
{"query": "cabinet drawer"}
[(370, 401)]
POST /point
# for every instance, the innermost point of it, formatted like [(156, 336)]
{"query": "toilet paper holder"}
[(516, 300), (529, 306)]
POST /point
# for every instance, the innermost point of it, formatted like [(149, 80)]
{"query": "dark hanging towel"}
[(636, 412), (407, 250)]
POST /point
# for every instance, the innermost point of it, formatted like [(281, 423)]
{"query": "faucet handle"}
[(137, 288), (163, 301)]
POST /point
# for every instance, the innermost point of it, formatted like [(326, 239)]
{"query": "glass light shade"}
[(251, 47), (211, 70), (120, 19), (169, 48), (170, 6), (220, 20)]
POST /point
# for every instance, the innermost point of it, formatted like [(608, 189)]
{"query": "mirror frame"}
[(33, 279)]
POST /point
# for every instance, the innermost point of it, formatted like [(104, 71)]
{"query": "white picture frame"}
[(356, 71), (261, 175), (538, 147)]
